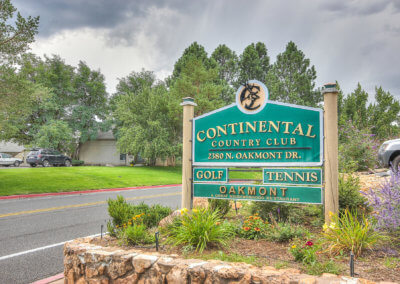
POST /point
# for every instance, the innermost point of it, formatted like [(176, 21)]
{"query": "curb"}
[(50, 279), (82, 192)]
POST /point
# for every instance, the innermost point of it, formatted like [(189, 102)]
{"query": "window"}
[(122, 157)]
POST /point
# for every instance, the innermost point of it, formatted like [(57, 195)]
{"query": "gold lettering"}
[(251, 142), (222, 189), (283, 191), (241, 190), (232, 125), (292, 141), (269, 141), (314, 177), (236, 142), (251, 191), (298, 129), (213, 135), (252, 127), (272, 191), (214, 144), (264, 191), (310, 127), (241, 128), (232, 190), (287, 123), (262, 126), (198, 136), (276, 127), (220, 129), (298, 176)]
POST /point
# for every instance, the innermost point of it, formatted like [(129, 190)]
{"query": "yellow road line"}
[(86, 204)]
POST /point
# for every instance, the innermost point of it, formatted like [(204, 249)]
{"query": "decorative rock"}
[(143, 261), (169, 219), (102, 280), (178, 274), (310, 280), (165, 264), (329, 275), (132, 278)]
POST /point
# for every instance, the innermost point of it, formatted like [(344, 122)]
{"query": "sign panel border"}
[(253, 164), (261, 185), (292, 168), (211, 181)]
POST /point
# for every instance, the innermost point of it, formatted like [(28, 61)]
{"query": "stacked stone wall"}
[(85, 262)]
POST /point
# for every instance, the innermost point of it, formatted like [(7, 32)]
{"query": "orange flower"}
[(250, 217), (217, 223), (246, 228), (257, 229), (257, 218)]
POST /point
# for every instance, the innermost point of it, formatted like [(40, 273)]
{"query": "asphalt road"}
[(32, 231)]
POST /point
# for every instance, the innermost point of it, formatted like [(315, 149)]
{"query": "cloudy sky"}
[(347, 40)]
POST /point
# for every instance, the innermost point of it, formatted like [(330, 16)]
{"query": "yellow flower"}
[(184, 210), (256, 214), (293, 246), (332, 225), (195, 210), (331, 214), (138, 216), (129, 223), (325, 227)]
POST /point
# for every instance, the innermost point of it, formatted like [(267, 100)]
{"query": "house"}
[(103, 151), (11, 148)]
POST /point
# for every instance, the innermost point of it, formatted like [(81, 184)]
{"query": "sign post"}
[(331, 150), (188, 114)]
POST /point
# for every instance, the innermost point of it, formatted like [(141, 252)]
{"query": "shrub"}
[(137, 234), (77, 162), (357, 149), (304, 252), (284, 232), (199, 229), (349, 195), (254, 228), (386, 203), (222, 205), (121, 212), (317, 268), (347, 233), (277, 211)]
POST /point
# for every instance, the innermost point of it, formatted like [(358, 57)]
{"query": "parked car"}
[(47, 157), (7, 160), (389, 154)]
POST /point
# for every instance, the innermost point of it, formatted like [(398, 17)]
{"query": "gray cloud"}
[(348, 40)]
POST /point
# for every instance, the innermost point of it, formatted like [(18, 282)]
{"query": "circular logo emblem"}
[(252, 97)]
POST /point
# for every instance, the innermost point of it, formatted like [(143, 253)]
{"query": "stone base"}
[(88, 263)]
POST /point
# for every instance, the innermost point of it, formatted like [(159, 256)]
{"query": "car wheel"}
[(46, 163), (67, 163), (33, 165), (395, 164), (17, 163)]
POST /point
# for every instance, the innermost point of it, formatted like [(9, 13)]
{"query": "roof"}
[(105, 135)]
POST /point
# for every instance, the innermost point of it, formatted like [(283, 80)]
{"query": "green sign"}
[(292, 176), (275, 193), (274, 134), (210, 175)]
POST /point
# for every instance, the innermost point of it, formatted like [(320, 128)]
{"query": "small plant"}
[(254, 228), (385, 202), (137, 234), (284, 232), (318, 268), (349, 194), (199, 229), (304, 252), (347, 233), (222, 205)]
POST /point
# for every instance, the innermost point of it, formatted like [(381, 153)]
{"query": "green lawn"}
[(57, 179)]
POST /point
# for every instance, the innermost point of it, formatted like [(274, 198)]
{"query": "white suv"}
[(6, 160)]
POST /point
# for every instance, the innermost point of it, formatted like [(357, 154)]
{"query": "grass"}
[(58, 179)]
